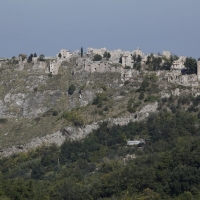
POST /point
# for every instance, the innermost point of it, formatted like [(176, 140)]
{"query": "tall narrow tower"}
[(198, 70)]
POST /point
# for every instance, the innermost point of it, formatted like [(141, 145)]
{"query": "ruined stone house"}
[(64, 54)]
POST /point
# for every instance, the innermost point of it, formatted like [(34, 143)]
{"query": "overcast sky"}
[(46, 26)]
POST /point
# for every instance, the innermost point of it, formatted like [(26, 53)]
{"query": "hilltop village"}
[(102, 60)]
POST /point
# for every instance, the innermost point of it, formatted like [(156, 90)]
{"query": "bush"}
[(141, 97), (151, 98), (50, 75), (3, 120), (132, 105), (106, 55), (104, 87), (55, 113), (97, 57), (74, 117), (149, 83), (100, 97), (41, 57), (71, 89), (127, 67)]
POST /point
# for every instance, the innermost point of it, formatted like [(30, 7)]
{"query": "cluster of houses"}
[(125, 58)]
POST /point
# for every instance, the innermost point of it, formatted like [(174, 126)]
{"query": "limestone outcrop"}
[(77, 133)]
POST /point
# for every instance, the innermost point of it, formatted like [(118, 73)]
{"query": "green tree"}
[(59, 55), (81, 51), (106, 55), (191, 65), (41, 57), (71, 89), (97, 57), (30, 58)]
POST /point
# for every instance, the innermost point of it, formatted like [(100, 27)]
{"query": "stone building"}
[(53, 67), (179, 64), (127, 59), (64, 53), (91, 52)]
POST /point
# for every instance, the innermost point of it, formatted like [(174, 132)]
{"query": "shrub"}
[(35, 89), (132, 105), (148, 81), (41, 57), (151, 98), (127, 67), (55, 113), (141, 97), (106, 55), (74, 117), (126, 82), (104, 87), (50, 75), (3, 120), (71, 89), (97, 57), (100, 97)]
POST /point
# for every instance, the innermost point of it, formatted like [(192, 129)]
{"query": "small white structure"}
[(179, 64), (53, 67), (127, 59), (135, 142), (92, 52), (64, 54)]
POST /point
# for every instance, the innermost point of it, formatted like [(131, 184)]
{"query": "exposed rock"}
[(55, 138), (77, 133)]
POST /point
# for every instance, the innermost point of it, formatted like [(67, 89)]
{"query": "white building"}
[(64, 53), (127, 59), (179, 64), (135, 142), (92, 52), (53, 67)]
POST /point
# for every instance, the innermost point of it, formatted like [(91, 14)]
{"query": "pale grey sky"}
[(46, 26)]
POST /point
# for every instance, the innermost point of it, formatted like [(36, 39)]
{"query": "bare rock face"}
[(77, 133), (86, 97), (33, 105), (29, 105), (55, 138)]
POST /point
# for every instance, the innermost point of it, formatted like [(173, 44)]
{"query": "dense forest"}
[(102, 166)]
